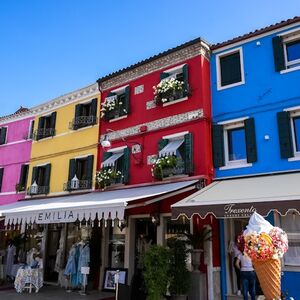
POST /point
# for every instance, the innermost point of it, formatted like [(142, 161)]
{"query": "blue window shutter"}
[(126, 165), (1, 177), (218, 146), (278, 53), (250, 140), (188, 152), (285, 134), (3, 131)]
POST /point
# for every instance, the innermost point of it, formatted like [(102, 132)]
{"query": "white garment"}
[(246, 263)]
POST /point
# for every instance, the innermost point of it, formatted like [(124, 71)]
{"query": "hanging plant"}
[(106, 176)]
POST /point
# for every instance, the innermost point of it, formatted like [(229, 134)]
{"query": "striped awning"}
[(171, 148)]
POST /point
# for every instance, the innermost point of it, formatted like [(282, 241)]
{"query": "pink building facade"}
[(15, 148)]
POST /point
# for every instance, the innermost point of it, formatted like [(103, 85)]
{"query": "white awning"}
[(171, 148), (105, 205), (240, 197), (111, 160)]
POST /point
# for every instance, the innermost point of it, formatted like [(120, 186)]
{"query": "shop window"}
[(173, 86), (230, 69), (40, 183), (80, 173), (3, 135), (46, 127), (234, 143), (21, 185), (85, 115), (286, 49), (291, 225), (175, 156), (116, 105), (1, 178), (115, 165), (289, 133), (117, 246)]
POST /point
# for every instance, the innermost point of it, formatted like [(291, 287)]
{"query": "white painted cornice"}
[(15, 117)]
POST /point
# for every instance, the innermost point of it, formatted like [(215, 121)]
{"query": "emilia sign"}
[(231, 211), (66, 216)]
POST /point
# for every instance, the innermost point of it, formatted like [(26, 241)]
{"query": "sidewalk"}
[(57, 293)]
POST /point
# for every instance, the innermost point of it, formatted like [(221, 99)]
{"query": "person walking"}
[(248, 277)]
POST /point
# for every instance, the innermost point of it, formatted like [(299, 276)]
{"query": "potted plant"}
[(106, 176), (179, 274), (196, 240), (156, 274), (168, 165), (112, 108), (168, 90)]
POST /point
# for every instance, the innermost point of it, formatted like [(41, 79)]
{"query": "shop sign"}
[(231, 211), (56, 217)]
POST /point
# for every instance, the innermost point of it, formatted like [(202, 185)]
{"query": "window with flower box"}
[(116, 105), (80, 173), (85, 115), (175, 157), (173, 86), (114, 168)]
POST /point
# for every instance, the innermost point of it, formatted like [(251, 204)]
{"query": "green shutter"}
[(126, 165), (72, 169), (230, 69), (40, 127), (23, 175), (188, 153), (34, 174), (47, 177), (53, 121), (164, 75), (278, 53), (106, 155), (126, 104), (89, 170), (285, 134), (94, 110), (218, 146), (1, 177), (162, 143), (3, 131), (185, 73), (77, 115), (250, 140)]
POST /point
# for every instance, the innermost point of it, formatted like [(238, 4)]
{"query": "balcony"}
[(42, 133), (82, 121), (77, 185), (37, 190)]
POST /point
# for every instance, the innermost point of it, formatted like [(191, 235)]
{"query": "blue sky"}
[(51, 47)]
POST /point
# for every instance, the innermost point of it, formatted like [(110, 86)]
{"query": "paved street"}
[(51, 292)]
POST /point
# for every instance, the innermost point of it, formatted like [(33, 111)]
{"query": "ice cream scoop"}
[(258, 224)]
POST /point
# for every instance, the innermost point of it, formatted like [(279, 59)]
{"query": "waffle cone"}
[(269, 273)]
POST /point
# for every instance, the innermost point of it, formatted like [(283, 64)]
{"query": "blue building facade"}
[(256, 127)]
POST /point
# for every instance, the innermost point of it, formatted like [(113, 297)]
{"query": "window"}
[(175, 156), (117, 161), (40, 181), (1, 178), (21, 186), (46, 127), (31, 128), (289, 133), (80, 173), (230, 69), (234, 143), (291, 225), (173, 86), (116, 104), (286, 49), (3, 134), (85, 115)]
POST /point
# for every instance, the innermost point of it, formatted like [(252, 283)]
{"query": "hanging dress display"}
[(84, 259)]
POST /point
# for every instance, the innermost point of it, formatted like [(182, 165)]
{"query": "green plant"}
[(179, 273), (168, 161), (156, 263), (20, 187), (105, 176), (197, 239)]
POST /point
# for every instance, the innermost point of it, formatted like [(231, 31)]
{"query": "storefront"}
[(232, 201), (118, 226)]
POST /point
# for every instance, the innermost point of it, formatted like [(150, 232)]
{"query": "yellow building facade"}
[(64, 149)]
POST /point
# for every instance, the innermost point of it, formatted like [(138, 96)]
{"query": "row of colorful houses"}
[(231, 127)]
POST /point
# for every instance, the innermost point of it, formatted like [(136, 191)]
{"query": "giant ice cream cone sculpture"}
[(265, 245)]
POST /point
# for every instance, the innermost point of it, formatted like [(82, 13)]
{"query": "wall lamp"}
[(136, 147)]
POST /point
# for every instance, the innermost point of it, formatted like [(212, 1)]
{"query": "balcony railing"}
[(83, 121), (78, 185), (43, 133), (38, 190)]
